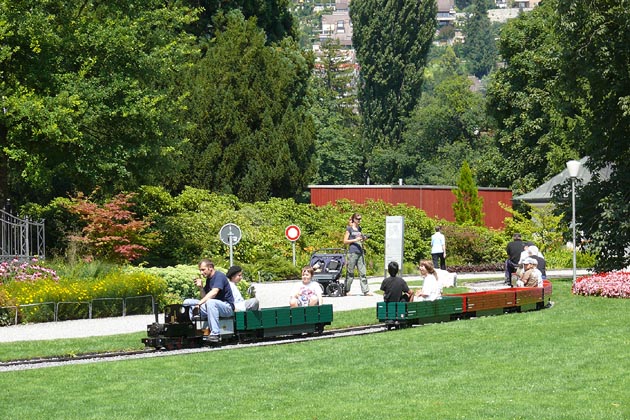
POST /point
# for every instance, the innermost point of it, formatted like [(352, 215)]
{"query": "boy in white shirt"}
[(235, 275)]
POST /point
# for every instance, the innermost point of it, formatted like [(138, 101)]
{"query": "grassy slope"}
[(567, 362)]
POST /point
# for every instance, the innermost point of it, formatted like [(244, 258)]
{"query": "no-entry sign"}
[(292, 233)]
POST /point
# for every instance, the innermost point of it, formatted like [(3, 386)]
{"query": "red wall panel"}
[(436, 201)]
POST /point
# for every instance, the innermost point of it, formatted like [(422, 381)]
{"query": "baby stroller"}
[(328, 264)]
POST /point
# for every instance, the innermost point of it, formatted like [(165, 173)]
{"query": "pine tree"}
[(480, 49), (468, 207)]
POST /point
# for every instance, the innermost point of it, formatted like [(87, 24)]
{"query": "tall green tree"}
[(336, 120), (479, 50), (445, 128), (534, 135), (90, 95), (392, 40), (468, 205), (595, 64), (255, 136)]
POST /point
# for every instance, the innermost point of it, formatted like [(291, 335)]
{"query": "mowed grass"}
[(567, 362)]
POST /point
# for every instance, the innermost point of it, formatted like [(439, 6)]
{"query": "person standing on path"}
[(438, 248), (356, 254)]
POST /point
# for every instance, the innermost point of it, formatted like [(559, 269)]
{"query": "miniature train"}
[(179, 331), (464, 305)]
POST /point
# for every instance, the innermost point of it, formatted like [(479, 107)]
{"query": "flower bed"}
[(615, 285), (35, 291)]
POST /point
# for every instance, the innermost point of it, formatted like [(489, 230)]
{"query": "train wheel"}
[(333, 289)]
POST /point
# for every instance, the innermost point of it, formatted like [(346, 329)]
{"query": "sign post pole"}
[(230, 235), (292, 233)]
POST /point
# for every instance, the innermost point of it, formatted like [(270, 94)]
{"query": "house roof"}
[(445, 5), (543, 194)]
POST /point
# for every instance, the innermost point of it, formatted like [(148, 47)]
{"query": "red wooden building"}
[(436, 201)]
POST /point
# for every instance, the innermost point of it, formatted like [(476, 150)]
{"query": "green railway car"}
[(464, 305)]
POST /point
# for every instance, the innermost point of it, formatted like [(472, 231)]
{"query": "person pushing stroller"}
[(356, 254)]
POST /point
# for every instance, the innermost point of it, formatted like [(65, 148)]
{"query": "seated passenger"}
[(513, 249), (309, 292), (235, 275), (531, 277), (431, 289), (394, 288), (535, 253), (216, 298)]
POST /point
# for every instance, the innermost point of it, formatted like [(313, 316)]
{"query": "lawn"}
[(567, 362)]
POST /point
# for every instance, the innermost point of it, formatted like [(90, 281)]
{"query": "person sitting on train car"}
[(535, 253), (394, 288), (531, 277), (216, 298), (431, 289), (309, 292), (235, 275), (513, 249)]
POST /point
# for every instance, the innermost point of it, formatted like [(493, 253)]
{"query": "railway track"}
[(43, 362)]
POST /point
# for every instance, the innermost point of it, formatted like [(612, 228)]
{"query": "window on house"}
[(340, 26)]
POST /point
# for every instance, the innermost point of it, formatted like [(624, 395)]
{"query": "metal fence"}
[(12, 312), (21, 239)]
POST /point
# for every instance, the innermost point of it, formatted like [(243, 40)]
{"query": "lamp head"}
[(573, 166)]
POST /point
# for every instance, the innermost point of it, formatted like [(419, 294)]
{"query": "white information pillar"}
[(394, 241)]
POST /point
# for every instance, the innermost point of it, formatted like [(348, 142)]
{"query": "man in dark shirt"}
[(513, 249), (216, 297), (394, 288)]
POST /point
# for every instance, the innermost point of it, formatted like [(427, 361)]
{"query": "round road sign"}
[(230, 234), (292, 233)]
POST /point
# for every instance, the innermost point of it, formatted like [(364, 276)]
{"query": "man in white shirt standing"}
[(438, 248)]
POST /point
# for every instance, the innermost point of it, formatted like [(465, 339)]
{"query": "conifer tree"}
[(392, 40), (468, 206)]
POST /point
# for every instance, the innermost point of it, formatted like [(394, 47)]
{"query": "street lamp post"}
[(573, 167)]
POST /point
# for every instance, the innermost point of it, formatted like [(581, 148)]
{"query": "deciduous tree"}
[(90, 95), (468, 206), (595, 72)]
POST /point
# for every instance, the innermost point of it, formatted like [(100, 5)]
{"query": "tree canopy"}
[(595, 73), (254, 136), (391, 40), (90, 95)]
